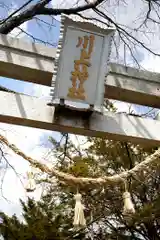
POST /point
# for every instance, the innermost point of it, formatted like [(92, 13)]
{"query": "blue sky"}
[(28, 139), (40, 31), (31, 140)]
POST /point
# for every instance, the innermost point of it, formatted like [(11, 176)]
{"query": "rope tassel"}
[(79, 219), (31, 185), (128, 204)]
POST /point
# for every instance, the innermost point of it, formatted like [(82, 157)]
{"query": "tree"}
[(134, 34), (103, 207), (47, 219), (128, 40)]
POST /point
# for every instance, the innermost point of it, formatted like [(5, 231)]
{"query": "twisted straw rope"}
[(152, 160)]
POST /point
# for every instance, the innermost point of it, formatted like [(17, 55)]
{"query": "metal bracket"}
[(63, 110)]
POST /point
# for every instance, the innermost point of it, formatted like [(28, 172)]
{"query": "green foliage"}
[(51, 217), (43, 220)]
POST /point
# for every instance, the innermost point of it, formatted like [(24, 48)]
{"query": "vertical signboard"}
[(81, 62)]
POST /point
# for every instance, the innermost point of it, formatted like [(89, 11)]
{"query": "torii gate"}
[(34, 63)]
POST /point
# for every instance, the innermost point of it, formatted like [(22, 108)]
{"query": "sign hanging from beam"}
[(34, 62), (33, 112), (81, 62)]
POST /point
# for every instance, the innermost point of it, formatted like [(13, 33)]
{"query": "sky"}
[(30, 140), (33, 141)]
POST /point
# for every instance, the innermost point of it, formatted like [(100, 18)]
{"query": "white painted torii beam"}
[(34, 63), (29, 111)]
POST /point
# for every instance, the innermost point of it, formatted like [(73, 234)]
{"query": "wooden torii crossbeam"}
[(34, 63)]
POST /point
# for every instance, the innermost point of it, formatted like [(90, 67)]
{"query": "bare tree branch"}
[(7, 165), (125, 33), (40, 9), (36, 39), (19, 9)]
